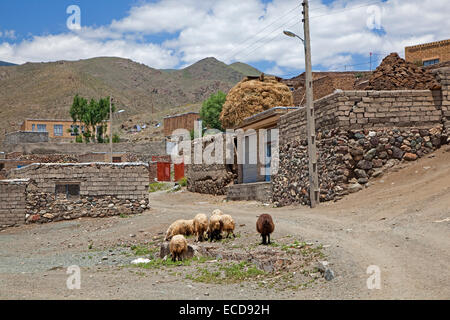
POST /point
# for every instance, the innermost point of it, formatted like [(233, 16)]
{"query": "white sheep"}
[(200, 226), (177, 246), (183, 227), (228, 224)]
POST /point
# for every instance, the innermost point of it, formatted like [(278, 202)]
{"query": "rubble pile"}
[(394, 73), (252, 96)]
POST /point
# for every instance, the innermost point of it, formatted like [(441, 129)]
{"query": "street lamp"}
[(111, 129), (314, 191), (292, 35)]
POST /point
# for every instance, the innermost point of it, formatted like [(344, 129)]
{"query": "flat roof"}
[(423, 45), (84, 164), (57, 120), (181, 114), (266, 114)]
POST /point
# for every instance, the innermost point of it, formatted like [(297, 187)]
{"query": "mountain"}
[(245, 69), (6, 64), (46, 90)]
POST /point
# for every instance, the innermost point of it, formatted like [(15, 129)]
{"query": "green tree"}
[(91, 115), (211, 109)]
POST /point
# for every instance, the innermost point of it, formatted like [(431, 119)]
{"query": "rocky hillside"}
[(46, 90)]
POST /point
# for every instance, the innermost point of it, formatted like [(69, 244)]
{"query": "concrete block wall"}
[(260, 191), (12, 202), (122, 180), (367, 109)]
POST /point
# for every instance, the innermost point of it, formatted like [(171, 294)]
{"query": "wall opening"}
[(67, 190)]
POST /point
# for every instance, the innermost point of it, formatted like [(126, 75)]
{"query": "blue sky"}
[(174, 34)]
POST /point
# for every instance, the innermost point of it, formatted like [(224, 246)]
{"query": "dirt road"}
[(400, 224)]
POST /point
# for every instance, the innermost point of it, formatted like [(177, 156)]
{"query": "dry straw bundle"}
[(251, 96)]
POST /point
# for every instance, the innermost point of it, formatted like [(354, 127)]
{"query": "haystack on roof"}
[(251, 96), (394, 73)]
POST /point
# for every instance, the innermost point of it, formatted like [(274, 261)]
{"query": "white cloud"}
[(247, 31), (73, 47)]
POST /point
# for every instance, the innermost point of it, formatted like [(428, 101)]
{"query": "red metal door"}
[(179, 171), (163, 171)]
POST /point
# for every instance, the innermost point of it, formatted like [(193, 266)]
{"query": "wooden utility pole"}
[(310, 118), (110, 130)]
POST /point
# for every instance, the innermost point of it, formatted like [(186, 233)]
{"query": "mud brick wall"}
[(12, 202), (104, 190), (209, 178)]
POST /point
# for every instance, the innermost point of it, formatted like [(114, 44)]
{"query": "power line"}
[(265, 28), (346, 9), (235, 53)]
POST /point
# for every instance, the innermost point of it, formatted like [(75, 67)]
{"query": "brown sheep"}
[(177, 246), (184, 227), (200, 226), (215, 228), (265, 227), (228, 224)]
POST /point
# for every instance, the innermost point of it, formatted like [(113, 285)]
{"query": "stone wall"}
[(443, 76), (360, 134), (260, 191), (19, 137), (70, 191), (12, 202), (348, 159), (209, 178), (144, 150)]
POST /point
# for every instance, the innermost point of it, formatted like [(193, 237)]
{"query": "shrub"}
[(183, 182), (115, 138)]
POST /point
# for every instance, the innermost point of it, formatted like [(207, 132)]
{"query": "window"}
[(69, 190), (430, 62), (2, 166), (117, 159), (42, 128), (33, 127), (58, 130)]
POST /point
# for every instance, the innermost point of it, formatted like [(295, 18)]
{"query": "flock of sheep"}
[(217, 224)]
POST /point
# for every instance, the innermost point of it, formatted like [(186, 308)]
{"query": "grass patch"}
[(158, 186), (183, 182), (159, 263), (227, 273), (140, 250), (123, 215)]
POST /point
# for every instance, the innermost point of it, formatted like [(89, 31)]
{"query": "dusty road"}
[(400, 224)]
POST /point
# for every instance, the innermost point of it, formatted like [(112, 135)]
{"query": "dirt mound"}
[(394, 73), (251, 96)]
